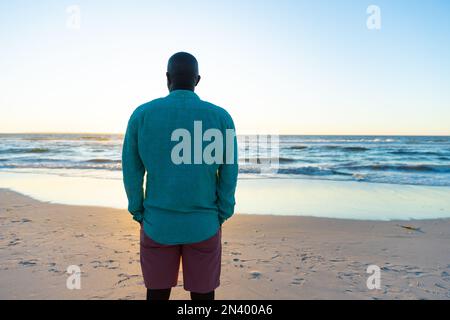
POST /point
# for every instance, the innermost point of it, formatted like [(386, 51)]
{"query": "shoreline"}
[(105, 207), (264, 256), (281, 197)]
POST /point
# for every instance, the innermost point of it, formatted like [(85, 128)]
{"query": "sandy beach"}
[(264, 257), (320, 127)]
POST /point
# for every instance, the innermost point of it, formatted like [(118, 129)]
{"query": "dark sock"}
[(159, 294), (202, 296)]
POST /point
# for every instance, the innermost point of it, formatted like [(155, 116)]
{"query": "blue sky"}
[(306, 67)]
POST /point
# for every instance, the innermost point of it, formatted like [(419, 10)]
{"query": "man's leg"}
[(202, 296), (201, 267), (158, 294), (160, 265)]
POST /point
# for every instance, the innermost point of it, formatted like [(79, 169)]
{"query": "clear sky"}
[(288, 67)]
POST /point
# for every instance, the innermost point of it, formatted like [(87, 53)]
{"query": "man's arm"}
[(133, 171), (227, 178)]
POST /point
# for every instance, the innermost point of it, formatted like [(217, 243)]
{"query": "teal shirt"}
[(182, 202)]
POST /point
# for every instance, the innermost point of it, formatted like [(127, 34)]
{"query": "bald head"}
[(182, 72)]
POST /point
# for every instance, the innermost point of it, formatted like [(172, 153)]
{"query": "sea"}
[(410, 160)]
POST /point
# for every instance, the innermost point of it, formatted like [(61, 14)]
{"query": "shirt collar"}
[(183, 94)]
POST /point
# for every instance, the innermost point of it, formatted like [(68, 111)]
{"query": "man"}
[(187, 197)]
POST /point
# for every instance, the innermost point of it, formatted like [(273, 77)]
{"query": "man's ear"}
[(198, 80), (168, 79)]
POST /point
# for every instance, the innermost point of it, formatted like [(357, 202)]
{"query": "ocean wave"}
[(312, 171), (359, 176), (414, 153), (298, 147), (103, 161), (308, 170), (25, 150), (404, 168), (302, 139), (262, 160), (62, 165), (99, 138), (95, 138), (40, 160), (346, 148)]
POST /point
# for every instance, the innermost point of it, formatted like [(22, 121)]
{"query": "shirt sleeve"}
[(227, 176), (133, 171)]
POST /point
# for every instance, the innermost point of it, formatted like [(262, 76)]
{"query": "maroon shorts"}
[(200, 261)]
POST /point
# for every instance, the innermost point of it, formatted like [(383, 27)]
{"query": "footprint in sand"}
[(337, 260), (24, 220), (255, 275), (298, 281), (52, 268), (126, 277), (109, 264), (445, 276), (28, 263), (441, 286), (14, 242)]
